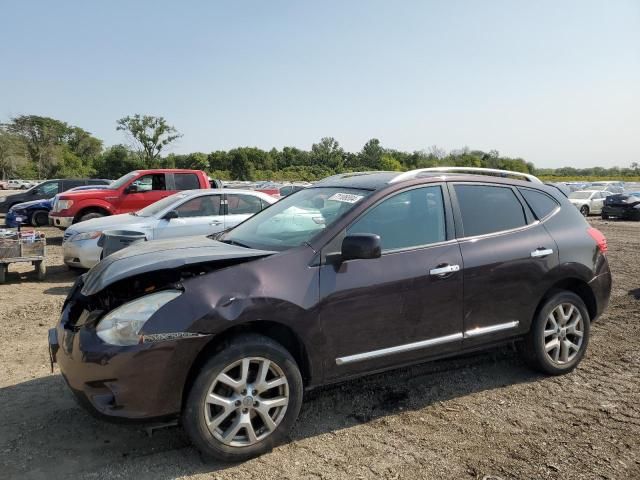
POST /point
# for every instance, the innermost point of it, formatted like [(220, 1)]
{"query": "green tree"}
[(150, 135), (328, 153), (371, 154), (116, 161), (12, 154), (42, 136), (240, 166)]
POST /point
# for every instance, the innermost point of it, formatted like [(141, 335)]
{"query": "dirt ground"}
[(485, 416)]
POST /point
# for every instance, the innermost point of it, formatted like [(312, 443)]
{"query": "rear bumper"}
[(601, 288)]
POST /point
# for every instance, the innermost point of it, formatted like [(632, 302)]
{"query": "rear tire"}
[(559, 335), (90, 216), (40, 218), (240, 423), (605, 216), (584, 210)]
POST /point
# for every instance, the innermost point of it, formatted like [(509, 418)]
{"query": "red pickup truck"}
[(129, 193)]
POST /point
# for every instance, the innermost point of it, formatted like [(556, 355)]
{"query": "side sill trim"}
[(476, 332), (383, 352)]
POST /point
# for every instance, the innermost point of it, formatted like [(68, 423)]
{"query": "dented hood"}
[(161, 255)]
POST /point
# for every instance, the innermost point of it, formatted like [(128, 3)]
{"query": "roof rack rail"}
[(473, 170)]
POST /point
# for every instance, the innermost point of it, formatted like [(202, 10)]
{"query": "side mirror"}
[(171, 214), (131, 189), (361, 246)]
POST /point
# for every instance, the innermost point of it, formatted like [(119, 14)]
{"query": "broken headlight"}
[(122, 326)]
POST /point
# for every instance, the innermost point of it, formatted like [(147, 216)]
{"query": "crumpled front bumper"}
[(136, 382)]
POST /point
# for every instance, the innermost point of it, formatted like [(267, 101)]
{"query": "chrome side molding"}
[(432, 342), (476, 332), (383, 352)]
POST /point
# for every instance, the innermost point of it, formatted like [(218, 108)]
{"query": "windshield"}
[(123, 180), (295, 219), (160, 205), (580, 195)]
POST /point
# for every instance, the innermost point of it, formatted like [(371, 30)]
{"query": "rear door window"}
[(205, 206), (540, 203), (147, 183), (238, 204), (186, 181), (488, 209), (68, 184)]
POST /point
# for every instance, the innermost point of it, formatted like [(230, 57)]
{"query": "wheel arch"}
[(577, 286), (277, 331), (90, 209)]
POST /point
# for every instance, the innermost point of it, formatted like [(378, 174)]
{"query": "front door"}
[(405, 305), (144, 191), (507, 255)]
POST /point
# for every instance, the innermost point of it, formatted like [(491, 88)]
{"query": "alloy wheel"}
[(563, 333), (246, 402)]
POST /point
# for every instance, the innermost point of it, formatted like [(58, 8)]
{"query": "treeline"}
[(40, 147)]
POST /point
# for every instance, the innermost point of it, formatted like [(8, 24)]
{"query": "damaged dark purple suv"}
[(360, 273)]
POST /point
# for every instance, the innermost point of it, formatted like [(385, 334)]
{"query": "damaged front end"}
[(107, 357)]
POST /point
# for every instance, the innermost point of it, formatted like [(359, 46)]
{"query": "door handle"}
[(215, 222), (541, 252), (444, 270)]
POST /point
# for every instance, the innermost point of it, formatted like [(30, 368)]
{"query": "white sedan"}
[(186, 213), (589, 201)]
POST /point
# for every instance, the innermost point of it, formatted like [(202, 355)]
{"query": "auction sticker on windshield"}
[(345, 197)]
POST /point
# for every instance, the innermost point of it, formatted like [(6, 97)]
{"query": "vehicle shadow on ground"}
[(635, 293), (92, 445)]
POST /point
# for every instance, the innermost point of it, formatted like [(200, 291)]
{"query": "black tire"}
[(584, 210), (40, 218), (532, 347), (90, 216), (193, 415), (605, 216)]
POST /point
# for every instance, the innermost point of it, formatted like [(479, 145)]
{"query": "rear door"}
[(201, 215), (238, 207), (405, 305), (506, 253)]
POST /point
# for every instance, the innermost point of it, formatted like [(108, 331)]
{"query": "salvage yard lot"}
[(462, 418)]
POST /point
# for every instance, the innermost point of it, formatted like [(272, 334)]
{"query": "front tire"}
[(584, 210), (90, 216), (40, 218), (559, 335), (244, 401)]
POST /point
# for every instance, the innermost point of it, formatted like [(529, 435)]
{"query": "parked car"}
[(192, 212), (17, 185), (36, 212), (129, 193), (588, 201), (227, 332), (611, 186), (47, 189), (625, 206)]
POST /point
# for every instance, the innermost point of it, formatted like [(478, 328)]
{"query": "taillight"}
[(600, 239)]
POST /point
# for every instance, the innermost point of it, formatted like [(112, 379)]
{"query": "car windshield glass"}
[(160, 205), (580, 195), (295, 219), (123, 180)]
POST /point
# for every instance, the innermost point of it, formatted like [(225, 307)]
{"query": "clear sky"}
[(555, 82)]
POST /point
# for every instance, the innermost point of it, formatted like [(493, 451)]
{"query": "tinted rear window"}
[(541, 203), (487, 209), (186, 181)]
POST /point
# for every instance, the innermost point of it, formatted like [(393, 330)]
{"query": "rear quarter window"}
[(487, 209), (540, 203), (186, 181)]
